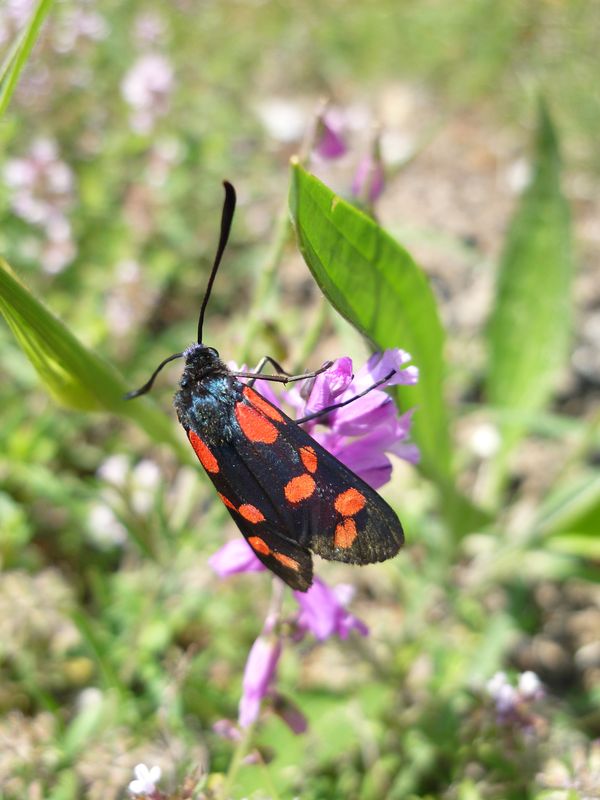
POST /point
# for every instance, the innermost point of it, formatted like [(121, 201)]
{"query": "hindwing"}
[(289, 496)]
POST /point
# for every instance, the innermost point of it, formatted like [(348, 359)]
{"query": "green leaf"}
[(374, 283), (528, 331), (17, 56), (574, 506), (574, 544), (75, 376)]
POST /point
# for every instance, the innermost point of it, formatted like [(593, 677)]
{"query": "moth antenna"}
[(148, 385), (226, 220)]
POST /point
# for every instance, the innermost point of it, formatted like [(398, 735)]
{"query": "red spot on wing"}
[(261, 404), (309, 458), (299, 488), (227, 502), (251, 513), (206, 458), (350, 502), (259, 545), (287, 561), (254, 424), (345, 534)]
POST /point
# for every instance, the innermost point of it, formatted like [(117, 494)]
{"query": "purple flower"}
[(227, 729), (42, 193), (322, 611), (258, 674), (362, 433), (235, 556), (369, 179), (329, 142), (514, 705)]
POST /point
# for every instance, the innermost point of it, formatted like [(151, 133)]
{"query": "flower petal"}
[(260, 669), (380, 365), (234, 557), (329, 142), (329, 385), (361, 416), (322, 613)]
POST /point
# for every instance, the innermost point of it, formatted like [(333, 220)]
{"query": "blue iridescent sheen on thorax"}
[(207, 394)]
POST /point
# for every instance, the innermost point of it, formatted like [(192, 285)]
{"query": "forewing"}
[(243, 493)]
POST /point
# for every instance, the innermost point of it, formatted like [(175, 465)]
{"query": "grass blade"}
[(17, 56), (528, 332), (75, 376)]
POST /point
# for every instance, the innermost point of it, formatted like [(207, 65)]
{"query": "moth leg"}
[(261, 364), (282, 378), (333, 407)]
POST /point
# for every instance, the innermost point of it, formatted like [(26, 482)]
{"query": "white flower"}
[(19, 172), (496, 684), (145, 779), (485, 440), (114, 470), (89, 698), (145, 481), (104, 527), (284, 120), (530, 685)]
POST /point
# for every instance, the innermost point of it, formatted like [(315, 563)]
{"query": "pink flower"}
[(369, 179), (147, 88), (258, 674), (363, 432), (329, 142), (322, 611), (513, 705), (227, 729), (41, 193), (234, 557)]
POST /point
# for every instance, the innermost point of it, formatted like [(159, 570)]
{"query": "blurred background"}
[(118, 644)]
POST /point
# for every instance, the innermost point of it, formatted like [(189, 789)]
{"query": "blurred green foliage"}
[(117, 644)]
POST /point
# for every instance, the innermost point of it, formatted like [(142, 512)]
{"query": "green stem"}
[(271, 627), (265, 288), (273, 793), (236, 762), (313, 334)]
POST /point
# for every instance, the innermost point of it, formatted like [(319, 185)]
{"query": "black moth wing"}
[(341, 499), (249, 504), (302, 498)]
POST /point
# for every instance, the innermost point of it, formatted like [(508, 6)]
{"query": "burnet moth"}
[(288, 496)]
